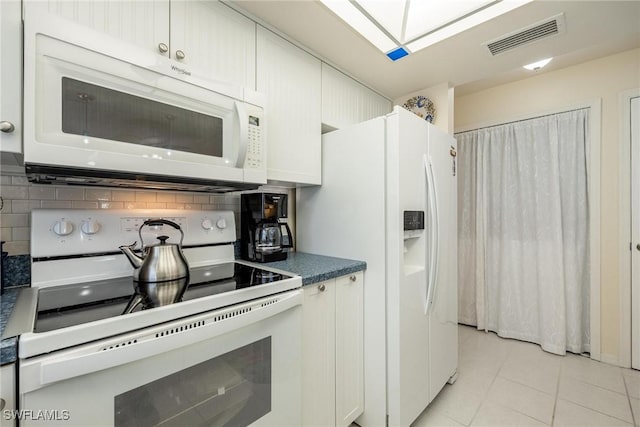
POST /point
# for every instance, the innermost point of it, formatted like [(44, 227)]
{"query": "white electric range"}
[(227, 354)]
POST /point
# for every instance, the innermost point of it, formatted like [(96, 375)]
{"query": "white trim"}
[(595, 118), (624, 208), (610, 359), (594, 149)]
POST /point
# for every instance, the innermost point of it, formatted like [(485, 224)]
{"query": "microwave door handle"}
[(243, 124)]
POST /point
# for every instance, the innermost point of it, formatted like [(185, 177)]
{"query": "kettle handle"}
[(160, 221), (135, 301)]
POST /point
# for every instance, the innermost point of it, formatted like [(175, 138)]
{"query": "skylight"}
[(401, 27)]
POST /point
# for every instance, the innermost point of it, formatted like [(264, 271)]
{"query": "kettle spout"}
[(135, 260)]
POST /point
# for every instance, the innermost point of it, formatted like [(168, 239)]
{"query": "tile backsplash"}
[(19, 197)]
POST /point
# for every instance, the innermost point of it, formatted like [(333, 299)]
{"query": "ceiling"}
[(593, 29)]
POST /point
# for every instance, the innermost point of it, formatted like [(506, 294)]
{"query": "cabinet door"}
[(11, 76), (216, 40), (349, 348), (318, 355), (291, 80), (345, 101), (8, 390), (144, 23)]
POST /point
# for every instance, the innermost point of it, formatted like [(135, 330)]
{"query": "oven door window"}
[(233, 389), (94, 111)]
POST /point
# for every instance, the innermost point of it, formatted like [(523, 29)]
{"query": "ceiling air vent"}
[(546, 28)]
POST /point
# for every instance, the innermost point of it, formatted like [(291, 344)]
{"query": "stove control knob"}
[(207, 224), (63, 227), (221, 223), (90, 226)]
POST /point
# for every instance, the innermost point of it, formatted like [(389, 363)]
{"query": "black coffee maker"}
[(264, 236)]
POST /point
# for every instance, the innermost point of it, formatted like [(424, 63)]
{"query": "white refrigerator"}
[(389, 197)]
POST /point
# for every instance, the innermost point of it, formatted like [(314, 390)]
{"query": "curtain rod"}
[(521, 120)]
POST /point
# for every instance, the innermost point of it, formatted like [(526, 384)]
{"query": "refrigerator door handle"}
[(434, 254)]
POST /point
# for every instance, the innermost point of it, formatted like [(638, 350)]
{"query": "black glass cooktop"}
[(69, 305)]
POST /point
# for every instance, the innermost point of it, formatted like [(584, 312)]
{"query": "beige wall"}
[(442, 97), (604, 78)]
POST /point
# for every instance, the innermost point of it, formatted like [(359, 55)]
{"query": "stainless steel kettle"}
[(156, 294), (161, 262)]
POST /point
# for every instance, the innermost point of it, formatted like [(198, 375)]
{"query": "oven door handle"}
[(62, 367)]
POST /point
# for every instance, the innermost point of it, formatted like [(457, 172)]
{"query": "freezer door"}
[(407, 267)]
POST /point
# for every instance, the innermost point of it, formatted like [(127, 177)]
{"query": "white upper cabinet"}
[(291, 80), (213, 40), (11, 77), (345, 101), (144, 23)]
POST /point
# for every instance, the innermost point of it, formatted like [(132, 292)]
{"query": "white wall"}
[(442, 97), (604, 78)]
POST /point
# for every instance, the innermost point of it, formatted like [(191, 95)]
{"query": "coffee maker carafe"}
[(264, 235)]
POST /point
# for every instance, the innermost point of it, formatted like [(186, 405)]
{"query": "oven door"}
[(95, 102), (236, 366)]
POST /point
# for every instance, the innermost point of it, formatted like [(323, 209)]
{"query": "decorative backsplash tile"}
[(19, 197)]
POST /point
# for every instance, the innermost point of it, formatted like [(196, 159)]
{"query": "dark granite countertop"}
[(8, 349), (312, 268), (317, 268)]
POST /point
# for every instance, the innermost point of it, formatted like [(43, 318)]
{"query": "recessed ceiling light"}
[(535, 66), (404, 26)]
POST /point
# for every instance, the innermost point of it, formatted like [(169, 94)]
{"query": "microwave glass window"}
[(233, 389), (95, 111)]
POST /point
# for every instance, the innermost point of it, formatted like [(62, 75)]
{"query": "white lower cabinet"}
[(349, 348), (333, 352), (7, 395)]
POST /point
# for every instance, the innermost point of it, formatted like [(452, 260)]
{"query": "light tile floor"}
[(504, 382)]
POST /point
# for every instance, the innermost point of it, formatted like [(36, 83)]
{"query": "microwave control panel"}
[(254, 144)]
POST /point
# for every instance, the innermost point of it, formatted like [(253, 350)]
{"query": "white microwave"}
[(98, 110)]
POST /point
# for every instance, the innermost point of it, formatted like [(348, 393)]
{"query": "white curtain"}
[(524, 230)]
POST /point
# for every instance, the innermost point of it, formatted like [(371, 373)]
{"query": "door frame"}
[(624, 206)]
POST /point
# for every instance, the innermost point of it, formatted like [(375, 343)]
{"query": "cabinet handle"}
[(352, 278), (163, 48), (180, 54), (638, 246), (322, 287), (3, 403), (7, 127)]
